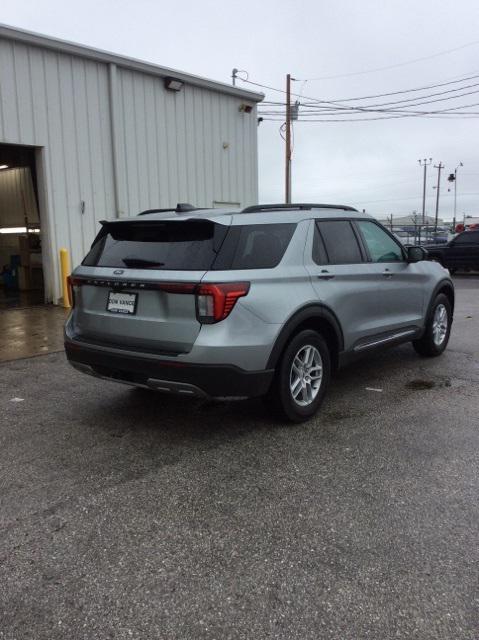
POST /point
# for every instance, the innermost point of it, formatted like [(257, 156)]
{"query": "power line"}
[(342, 107), (414, 89), (397, 112), (422, 116), (406, 100), (370, 109), (394, 66), (453, 111), (456, 80)]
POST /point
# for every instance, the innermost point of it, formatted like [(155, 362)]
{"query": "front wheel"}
[(302, 377), (438, 328)]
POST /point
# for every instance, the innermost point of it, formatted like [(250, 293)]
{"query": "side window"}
[(257, 246), (461, 238), (319, 252), (340, 241), (467, 237), (382, 248)]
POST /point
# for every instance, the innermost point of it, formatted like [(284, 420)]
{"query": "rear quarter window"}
[(258, 246)]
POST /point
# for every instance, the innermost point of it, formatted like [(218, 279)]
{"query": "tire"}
[(438, 329), (306, 348)]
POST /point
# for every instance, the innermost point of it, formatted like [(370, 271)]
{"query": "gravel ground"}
[(125, 514)]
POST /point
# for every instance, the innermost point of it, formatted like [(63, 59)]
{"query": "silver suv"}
[(267, 301)]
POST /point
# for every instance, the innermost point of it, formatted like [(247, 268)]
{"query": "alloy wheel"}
[(439, 325), (306, 375)]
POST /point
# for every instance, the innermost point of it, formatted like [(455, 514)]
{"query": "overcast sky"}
[(371, 165)]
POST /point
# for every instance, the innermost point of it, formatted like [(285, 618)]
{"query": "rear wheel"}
[(438, 329), (302, 377)]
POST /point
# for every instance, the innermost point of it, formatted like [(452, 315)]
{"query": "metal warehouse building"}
[(87, 135)]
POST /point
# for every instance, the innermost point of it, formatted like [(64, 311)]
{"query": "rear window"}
[(192, 245)]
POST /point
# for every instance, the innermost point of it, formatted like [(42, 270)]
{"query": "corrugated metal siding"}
[(17, 198), (60, 103), (191, 146), (188, 146)]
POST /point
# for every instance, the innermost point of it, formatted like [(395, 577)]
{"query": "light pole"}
[(424, 163), (453, 178)]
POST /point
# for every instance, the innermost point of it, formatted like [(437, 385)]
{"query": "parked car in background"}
[(266, 301), (420, 235), (460, 253)]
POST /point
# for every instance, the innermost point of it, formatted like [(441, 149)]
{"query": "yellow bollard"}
[(65, 272)]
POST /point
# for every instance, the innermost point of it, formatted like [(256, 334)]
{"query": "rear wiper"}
[(139, 262)]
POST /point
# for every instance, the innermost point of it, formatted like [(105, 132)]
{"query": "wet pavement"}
[(125, 514), (30, 332), (20, 299)]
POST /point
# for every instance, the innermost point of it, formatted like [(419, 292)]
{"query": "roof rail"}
[(294, 206), (181, 207)]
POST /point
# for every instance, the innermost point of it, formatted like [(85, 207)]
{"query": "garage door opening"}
[(21, 271)]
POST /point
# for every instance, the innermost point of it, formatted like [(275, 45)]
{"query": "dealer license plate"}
[(119, 302)]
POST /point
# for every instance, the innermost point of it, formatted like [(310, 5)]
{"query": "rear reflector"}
[(214, 302)]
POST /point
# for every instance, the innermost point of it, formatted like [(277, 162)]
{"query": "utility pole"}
[(439, 168), (424, 163), (287, 197)]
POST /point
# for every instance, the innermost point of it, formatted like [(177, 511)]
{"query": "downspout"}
[(115, 143)]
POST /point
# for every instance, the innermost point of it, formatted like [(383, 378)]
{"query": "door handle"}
[(387, 273), (325, 275)]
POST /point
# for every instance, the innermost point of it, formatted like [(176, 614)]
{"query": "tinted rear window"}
[(340, 242), (258, 246), (193, 245), (177, 246)]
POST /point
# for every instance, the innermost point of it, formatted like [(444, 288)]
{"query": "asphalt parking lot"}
[(124, 514)]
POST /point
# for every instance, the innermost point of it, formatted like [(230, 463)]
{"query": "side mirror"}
[(416, 254)]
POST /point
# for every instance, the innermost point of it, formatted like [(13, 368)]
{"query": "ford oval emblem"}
[(118, 272)]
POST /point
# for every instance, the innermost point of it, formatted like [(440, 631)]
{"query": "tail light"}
[(72, 282), (214, 302)]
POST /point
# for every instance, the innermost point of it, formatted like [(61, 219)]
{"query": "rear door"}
[(136, 288), (344, 281)]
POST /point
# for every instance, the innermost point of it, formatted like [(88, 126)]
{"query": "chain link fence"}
[(419, 234)]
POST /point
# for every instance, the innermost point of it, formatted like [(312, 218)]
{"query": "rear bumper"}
[(200, 380)]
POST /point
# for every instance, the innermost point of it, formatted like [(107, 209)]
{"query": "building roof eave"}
[(63, 46)]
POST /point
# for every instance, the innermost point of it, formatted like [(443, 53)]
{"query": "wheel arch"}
[(447, 288), (314, 316)]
